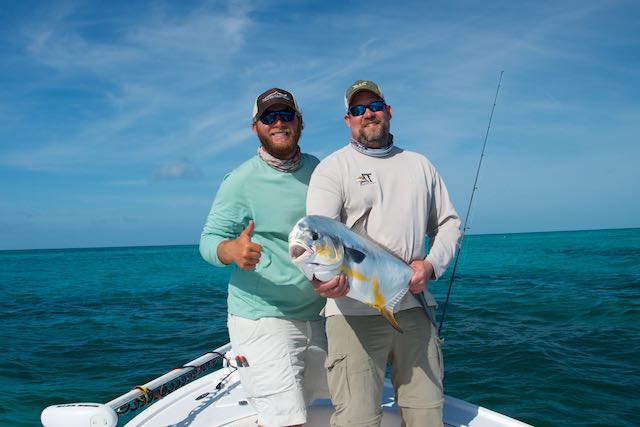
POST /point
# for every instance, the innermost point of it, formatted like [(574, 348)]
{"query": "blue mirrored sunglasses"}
[(269, 117), (358, 110)]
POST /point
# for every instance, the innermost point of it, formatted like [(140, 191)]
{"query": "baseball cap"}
[(360, 85), (271, 97)]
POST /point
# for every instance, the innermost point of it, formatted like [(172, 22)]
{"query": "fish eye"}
[(314, 235)]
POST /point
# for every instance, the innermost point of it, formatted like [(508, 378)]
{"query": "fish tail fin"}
[(391, 318)]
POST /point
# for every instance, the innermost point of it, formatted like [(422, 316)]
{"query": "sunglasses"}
[(269, 117), (375, 106)]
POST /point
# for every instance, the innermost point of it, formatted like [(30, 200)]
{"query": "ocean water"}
[(544, 327)]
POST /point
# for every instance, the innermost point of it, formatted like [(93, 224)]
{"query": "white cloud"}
[(157, 69), (99, 93), (182, 169)]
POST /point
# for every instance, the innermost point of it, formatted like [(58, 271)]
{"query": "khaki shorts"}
[(285, 371), (359, 349)]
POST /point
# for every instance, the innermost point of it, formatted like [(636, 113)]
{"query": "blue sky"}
[(119, 119)]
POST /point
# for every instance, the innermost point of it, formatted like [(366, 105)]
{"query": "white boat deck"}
[(201, 404), (217, 399)]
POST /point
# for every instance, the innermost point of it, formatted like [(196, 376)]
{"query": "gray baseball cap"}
[(360, 85)]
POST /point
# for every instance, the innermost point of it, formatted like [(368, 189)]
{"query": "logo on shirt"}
[(365, 179)]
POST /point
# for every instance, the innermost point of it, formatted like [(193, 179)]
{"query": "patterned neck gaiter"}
[(290, 165), (373, 152)]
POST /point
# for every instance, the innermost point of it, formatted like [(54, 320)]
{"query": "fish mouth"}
[(298, 249)]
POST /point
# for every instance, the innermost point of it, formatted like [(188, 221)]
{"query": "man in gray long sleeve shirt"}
[(400, 198)]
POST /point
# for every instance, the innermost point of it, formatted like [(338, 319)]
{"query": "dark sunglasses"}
[(375, 106), (269, 117)]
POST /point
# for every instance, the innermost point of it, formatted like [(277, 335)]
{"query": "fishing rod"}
[(466, 219)]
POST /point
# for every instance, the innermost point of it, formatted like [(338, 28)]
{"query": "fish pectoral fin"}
[(391, 318), (356, 255)]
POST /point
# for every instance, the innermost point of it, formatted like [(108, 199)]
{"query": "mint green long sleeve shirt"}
[(275, 201)]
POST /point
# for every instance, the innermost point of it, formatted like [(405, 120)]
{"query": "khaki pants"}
[(359, 348)]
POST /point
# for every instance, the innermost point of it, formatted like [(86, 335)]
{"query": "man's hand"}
[(334, 288), (242, 250), (422, 272)]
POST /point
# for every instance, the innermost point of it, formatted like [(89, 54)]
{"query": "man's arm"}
[(324, 197), (443, 229), (222, 240), (422, 273), (241, 250)]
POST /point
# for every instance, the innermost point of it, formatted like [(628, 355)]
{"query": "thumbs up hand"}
[(242, 250)]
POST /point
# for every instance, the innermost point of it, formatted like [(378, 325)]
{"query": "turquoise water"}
[(544, 327)]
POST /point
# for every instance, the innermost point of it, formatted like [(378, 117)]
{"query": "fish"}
[(322, 248)]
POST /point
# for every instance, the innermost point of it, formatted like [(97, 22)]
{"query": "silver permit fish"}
[(323, 248)]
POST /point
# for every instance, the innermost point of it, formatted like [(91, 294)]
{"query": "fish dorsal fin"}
[(356, 255), (360, 226)]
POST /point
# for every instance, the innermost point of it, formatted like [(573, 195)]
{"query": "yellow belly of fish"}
[(378, 299)]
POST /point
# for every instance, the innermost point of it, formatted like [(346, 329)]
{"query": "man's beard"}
[(374, 139), (281, 151)]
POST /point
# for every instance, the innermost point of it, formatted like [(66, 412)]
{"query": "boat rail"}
[(76, 414)]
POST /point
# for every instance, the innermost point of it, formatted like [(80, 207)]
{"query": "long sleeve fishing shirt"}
[(401, 200), (275, 201)]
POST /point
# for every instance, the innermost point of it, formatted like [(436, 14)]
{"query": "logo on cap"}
[(357, 85), (275, 94)]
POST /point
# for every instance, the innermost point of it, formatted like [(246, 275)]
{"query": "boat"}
[(207, 392)]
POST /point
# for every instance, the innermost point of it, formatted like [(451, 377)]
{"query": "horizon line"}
[(196, 244)]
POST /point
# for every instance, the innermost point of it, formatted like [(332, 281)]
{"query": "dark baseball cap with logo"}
[(360, 85), (272, 97)]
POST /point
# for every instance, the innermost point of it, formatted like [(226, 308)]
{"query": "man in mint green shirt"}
[(274, 312)]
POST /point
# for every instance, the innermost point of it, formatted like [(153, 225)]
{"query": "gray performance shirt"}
[(404, 201)]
